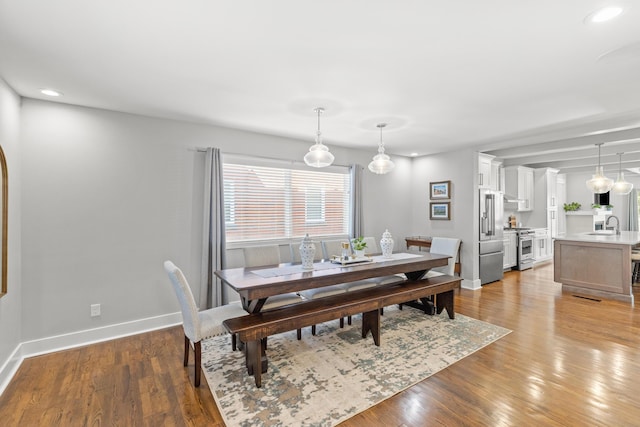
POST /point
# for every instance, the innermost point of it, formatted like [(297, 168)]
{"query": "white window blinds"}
[(266, 200)]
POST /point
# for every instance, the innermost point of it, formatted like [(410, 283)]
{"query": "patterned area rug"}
[(325, 379)]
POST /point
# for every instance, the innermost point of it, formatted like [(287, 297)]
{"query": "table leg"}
[(416, 275), (253, 306)]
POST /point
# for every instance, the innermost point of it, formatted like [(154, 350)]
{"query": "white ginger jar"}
[(307, 253), (386, 244)]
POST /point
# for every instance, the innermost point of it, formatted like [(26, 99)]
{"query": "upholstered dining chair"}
[(444, 246), (257, 256), (295, 252), (332, 247), (199, 325)]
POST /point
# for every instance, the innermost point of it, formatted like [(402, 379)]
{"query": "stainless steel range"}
[(525, 248)]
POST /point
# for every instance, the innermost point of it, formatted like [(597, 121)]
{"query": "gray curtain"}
[(213, 246), (356, 226), (633, 211)]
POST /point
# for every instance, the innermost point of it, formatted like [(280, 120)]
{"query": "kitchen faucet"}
[(617, 223)]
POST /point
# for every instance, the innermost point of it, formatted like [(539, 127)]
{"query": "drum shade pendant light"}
[(621, 186), (381, 163), (599, 183), (318, 155)]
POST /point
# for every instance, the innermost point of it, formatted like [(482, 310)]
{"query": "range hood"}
[(510, 198)]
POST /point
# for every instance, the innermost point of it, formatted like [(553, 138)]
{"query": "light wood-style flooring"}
[(568, 362)]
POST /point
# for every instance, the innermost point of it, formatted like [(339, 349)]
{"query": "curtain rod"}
[(252, 156)]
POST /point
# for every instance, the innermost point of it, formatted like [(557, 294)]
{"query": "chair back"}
[(446, 246), (190, 319), (372, 246), (332, 247), (255, 256), (295, 252)]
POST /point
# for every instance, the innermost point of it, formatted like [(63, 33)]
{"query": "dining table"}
[(256, 284)]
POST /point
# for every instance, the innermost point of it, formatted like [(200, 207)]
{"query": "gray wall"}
[(11, 303), (460, 168), (577, 192), (108, 196)]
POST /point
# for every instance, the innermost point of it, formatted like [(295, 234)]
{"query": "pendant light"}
[(599, 183), (621, 186), (381, 163), (318, 155)]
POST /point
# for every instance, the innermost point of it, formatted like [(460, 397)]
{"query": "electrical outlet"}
[(95, 310)]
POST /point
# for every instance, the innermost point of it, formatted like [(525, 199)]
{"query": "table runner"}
[(325, 265)]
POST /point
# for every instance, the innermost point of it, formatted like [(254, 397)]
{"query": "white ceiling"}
[(444, 75)]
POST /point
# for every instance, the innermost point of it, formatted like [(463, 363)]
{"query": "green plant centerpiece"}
[(359, 245), (609, 207), (596, 206), (571, 207)]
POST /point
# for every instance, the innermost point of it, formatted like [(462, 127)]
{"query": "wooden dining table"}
[(255, 285)]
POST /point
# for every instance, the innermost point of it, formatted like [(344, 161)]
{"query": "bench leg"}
[(254, 357), (445, 300), (371, 322)]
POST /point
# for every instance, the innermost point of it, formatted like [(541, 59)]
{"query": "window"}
[(273, 200), (314, 205), (229, 203)]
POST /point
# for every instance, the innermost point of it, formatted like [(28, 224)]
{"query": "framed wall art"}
[(440, 190), (440, 210)]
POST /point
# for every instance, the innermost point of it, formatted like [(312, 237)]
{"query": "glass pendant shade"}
[(319, 155), (599, 183), (621, 186), (381, 163)]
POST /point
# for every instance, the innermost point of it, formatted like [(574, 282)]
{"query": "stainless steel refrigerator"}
[(491, 244)]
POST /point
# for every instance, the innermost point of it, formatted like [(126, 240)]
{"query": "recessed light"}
[(413, 154), (604, 14), (50, 92)]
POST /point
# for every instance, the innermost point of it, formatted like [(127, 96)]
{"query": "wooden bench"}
[(253, 329)]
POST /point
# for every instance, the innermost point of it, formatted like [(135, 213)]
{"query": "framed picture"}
[(440, 210), (440, 190)]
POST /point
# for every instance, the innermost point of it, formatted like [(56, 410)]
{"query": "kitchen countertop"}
[(625, 238)]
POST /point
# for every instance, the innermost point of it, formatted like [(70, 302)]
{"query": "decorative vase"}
[(358, 253), (386, 244), (307, 253)]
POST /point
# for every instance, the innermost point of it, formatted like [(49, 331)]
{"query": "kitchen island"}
[(596, 263)]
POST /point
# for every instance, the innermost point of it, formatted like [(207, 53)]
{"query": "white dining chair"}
[(199, 325), (295, 252), (257, 256), (444, 246), (332, 247)]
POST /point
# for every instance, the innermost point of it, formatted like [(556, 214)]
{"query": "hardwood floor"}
[(568, 362)]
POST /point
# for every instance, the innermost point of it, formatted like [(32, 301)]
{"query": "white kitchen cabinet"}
[(484, 170), (542, 248), (519, 182), (497, 178), (561, 189), (546, 206), (510, 258), (552, 188), (552, 222)]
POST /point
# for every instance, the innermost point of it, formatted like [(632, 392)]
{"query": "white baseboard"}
[(80, 338), (471, 284)]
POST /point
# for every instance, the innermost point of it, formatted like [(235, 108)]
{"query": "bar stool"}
[(635, 260)]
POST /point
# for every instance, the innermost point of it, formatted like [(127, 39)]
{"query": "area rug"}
[(325, 379)]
